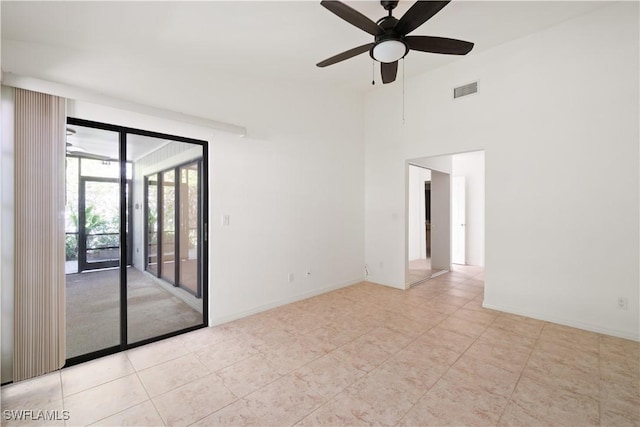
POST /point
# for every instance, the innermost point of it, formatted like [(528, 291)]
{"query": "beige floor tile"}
[(221, 355), (32, 393), (406, 374), (363, 353), (504, 338), (166, 376), (477, 281), (439, 336), (205, 337), (388, 339), (86, 375), (329, 375), (518, 414), (463, 327), (142, 415), (102, 401), (284, 401), (479, 375), (555, 406), (193, 401), (558, 353), (343, 410), (570, 337), (237, 414), (456, 301), (335, 335), (385, 396), (478, 317), (621, 397), (449, 404), (156, 353), (612, 417), (248, 375), (458, 292), (512, 358), (266, 339), (519, 325), (426, 351), (296, 353), (557, 375)]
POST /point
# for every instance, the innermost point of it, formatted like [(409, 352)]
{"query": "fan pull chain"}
[(373, 72), (403, 91)]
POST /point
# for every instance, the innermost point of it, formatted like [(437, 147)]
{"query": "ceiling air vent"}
[(465, 90)]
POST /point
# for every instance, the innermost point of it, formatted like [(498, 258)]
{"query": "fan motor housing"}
[(388, 5)]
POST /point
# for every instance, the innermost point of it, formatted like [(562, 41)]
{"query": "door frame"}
[(83, 265), (126, 246)]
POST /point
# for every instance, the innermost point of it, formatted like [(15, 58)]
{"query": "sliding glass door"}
[(136, 259)]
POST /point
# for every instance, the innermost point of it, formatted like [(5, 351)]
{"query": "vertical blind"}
[(39, 322)]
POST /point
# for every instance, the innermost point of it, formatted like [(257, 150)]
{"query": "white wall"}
[(417, 226), (561, 241), (471, 166), (294, 187), (300, 208)]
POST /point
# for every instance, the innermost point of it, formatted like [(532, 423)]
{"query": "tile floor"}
[(362, 355)]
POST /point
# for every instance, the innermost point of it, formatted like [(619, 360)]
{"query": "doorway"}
[(136, 248), (453, 212), (98, 230)]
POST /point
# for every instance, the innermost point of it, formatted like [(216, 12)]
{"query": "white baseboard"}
[(566, 322), (213, 321)]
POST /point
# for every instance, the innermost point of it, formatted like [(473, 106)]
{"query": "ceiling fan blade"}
[(352, 16), (418, 14), (345, 55), (389, 71), (438, 45)]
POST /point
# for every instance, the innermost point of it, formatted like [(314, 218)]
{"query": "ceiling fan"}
[(391, 41), (74, 150)]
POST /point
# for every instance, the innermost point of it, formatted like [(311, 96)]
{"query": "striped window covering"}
[(39, 286)]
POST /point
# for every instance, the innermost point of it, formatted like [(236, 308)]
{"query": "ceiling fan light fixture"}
[(389, 51)]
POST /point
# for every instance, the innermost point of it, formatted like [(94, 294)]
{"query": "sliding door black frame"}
[(124, 233)]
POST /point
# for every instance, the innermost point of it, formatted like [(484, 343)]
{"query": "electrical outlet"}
[(623, 303), (290, 277)]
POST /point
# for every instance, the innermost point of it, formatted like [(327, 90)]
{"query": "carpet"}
[(93, 310)]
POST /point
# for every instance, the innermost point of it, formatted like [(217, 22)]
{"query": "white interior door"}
[(440, 221), (458, 221)]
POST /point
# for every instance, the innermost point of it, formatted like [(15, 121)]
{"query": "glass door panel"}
[(161, 298), (93, 241), (189, 220), (168, 269), (151, 210)]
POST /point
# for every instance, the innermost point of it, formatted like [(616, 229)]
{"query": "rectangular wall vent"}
[(465, 90)]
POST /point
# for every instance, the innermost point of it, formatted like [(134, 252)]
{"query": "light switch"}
[(226, 219)]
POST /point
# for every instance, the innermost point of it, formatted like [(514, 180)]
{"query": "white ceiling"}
[(265, 39)]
